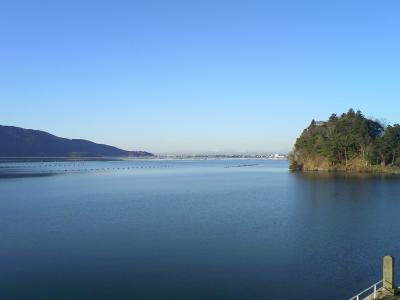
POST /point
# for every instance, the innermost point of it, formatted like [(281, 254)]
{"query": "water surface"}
[(202, 229)]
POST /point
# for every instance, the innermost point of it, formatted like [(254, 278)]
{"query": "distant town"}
[(275, 156)]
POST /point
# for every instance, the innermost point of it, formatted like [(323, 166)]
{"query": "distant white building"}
[(277, 156)]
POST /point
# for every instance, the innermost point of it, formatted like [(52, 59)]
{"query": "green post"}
[(388, 275)]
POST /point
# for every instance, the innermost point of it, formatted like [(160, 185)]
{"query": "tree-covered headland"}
[(350, 142)]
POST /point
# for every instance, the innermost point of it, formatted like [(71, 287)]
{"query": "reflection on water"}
[(163, 229), (329, 176)]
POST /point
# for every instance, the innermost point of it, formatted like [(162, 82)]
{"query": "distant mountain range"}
[(20, 142)]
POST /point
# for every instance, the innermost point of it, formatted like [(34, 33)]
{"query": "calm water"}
[(221, 229)]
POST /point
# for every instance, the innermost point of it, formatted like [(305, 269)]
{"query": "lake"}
[(191, 229)]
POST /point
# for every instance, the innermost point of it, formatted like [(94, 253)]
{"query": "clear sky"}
[(196, 76)]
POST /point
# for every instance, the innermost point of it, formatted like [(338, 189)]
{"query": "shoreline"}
[(379, 170)]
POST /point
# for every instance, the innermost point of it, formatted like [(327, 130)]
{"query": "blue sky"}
[(196, 76)]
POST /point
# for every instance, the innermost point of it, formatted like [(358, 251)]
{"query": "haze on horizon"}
[(193, 77)]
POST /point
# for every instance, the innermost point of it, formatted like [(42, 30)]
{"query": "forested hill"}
[(20, 142), (347, 142)]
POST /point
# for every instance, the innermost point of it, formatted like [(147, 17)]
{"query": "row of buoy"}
[(60, 166), (240, 166), (101, 169), (41, 164)]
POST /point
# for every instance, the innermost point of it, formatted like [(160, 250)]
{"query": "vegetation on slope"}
[(20, 142), (350, 142)]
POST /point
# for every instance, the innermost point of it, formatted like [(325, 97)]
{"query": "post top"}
[(388, 258)]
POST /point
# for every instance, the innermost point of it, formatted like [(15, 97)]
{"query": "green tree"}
[(390, 144), (346, 138)]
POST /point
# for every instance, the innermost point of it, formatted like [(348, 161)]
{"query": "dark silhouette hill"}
[(20, 142)]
